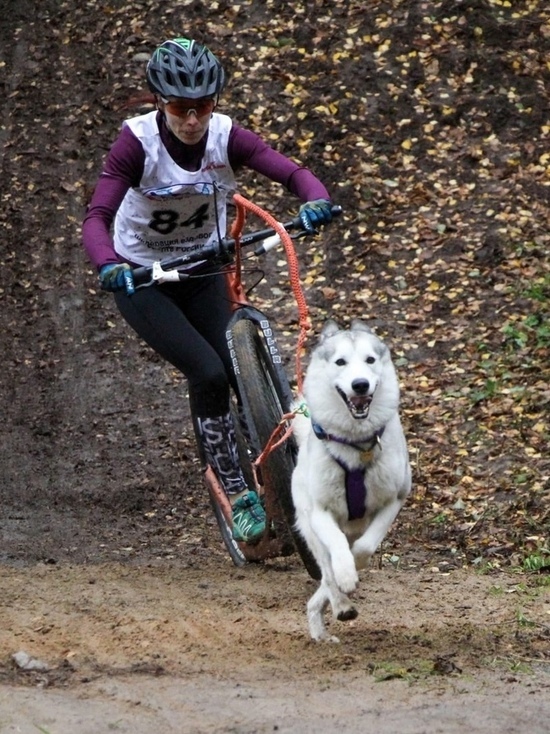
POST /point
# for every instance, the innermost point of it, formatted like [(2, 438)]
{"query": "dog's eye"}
[(370, 360), (340, 362)]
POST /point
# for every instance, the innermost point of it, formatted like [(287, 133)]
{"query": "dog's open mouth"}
[(358, 405)]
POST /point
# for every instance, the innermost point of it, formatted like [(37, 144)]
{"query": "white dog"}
[(353, 474)]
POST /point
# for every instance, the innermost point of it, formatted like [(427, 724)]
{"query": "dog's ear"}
[(358, 325), (329, 329)]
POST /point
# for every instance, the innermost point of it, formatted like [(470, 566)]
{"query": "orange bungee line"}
[(242, 205)]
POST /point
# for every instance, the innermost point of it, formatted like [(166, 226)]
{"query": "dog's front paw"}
[(346, 577), (346, 615)]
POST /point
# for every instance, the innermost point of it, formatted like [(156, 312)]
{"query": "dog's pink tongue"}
[(360, 401)]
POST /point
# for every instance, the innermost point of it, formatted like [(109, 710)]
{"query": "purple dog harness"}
[(356, 489)]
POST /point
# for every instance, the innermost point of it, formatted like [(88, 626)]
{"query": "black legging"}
[(186, 324)]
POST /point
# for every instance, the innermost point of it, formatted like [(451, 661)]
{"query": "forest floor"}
[(430, 124)]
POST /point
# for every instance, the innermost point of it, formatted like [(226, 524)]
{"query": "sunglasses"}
[(184, 107)]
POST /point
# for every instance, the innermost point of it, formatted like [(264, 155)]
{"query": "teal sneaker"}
[(248, 518)]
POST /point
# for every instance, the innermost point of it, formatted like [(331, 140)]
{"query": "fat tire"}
[(265, 402)]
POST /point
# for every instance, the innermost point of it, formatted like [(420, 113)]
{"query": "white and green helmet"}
[(184, 68)]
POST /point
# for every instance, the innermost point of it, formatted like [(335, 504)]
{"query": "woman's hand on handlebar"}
[(117, 277), (314, 213)]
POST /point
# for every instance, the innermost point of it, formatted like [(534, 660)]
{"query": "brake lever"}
[(159, 275)]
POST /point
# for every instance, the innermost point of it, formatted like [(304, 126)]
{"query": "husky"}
[(352, 474)]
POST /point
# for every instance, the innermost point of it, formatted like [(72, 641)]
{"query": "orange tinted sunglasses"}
[(184, 107)]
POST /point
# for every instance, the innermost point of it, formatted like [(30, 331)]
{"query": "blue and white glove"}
[(117, 277), (314, 213)]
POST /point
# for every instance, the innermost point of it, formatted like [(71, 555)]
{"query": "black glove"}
[(117, 277), (314, 213)]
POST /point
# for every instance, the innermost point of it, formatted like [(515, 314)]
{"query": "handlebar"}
[(159, 271)]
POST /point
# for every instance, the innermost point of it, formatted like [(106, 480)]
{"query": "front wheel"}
[(265, 395)]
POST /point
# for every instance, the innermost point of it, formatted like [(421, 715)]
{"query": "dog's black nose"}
[(361, 387)]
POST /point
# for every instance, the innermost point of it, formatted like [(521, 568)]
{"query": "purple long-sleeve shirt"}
[(124, 165)]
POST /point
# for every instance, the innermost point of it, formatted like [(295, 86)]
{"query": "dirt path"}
[(211, 705), (211, 648)]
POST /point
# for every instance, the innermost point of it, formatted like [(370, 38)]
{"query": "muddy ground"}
[(112, 570)]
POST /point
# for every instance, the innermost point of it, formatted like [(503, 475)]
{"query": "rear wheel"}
[(264, 393)]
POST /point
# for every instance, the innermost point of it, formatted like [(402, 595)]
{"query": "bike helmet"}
[(184, 68)]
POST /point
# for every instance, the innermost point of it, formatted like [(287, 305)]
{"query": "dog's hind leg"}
[(318, 603), (315, 610), (341, 606), (340, 603)]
